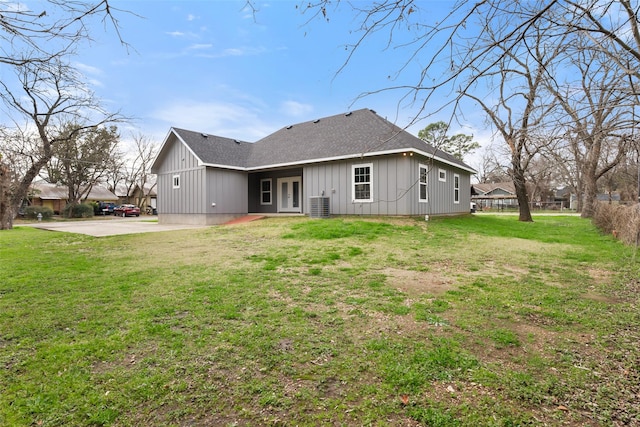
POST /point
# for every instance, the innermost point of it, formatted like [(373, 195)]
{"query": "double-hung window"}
[(422, 183), (456, 188), (265, 191), (362, 182)]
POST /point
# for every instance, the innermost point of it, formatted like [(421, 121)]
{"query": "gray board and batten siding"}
[(395, 187), (222, 178), (204, 195)]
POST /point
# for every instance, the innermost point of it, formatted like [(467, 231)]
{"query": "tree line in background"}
[(556, 81), (60, 132), (82, 160)]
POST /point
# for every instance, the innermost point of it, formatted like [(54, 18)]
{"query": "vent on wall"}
[(318, 207)]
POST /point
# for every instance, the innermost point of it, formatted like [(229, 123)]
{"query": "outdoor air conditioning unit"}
[(318, 207)]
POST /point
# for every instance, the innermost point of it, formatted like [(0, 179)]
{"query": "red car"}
[(127, 210)]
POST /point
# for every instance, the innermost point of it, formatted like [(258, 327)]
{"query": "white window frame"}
[(354, 183), (270, 192), (176, 181), (442, 175), (424, 184), (456, 188)]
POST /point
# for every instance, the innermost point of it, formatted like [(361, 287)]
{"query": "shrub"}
[(96, 208), (621, 221), (32, 212), (604, 217), (78, 211)]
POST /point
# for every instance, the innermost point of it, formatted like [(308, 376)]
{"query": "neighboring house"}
[(121, 191), (564, 198), (145, 200), (497, 195), (55, 196), (358, 163), (612, 198)]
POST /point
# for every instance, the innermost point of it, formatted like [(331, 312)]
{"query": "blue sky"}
[(215, 67)]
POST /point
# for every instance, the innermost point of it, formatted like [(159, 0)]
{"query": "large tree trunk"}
[(590, 178), (519, 182), (6, 212), (15, 196), (590, 197)]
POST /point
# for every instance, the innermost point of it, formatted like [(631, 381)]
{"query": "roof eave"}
[(362, 155), (221, 166), (173, 131), (445, 161)]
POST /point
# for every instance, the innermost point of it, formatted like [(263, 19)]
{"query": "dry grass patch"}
[(418, 282)]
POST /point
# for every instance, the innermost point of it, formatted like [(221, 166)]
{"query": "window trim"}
[(442, 175), (176, 181), (456, 188), (270, 192), (354, 183), (425, 184)]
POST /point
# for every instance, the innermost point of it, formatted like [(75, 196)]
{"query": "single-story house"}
[(612, 198), (55, 196), (356, 163), (145, 198), (496, 195)]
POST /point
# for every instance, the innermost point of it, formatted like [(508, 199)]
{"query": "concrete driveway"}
[(110, 226)]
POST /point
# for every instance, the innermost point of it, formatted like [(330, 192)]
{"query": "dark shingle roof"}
[(48, 191), (486, 188), (349, 135), (216, 150), (353, 134)]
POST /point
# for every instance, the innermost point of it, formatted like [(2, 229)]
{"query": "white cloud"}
[(235, 51), (223, 119), (200, 46), (88, 69), (176, 33), (191, 17), (94, 82), (295, 109)]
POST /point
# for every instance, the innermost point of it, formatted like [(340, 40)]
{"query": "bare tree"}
[(490, 168), (115, 172), (624, 178), (599, 117), (39, 36), (520, 106), (46, 92), (5, 186), (542, 179), (81, 161), (50, 96), (476, 38), (18, 151), (138, 169)]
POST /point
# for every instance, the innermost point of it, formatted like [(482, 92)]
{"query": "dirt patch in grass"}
[(602, 298), (418, 282), (600, 276)]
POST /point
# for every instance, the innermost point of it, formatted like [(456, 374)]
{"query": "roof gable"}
[(495, 188)]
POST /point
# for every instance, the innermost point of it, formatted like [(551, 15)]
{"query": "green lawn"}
[(472, 321)]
